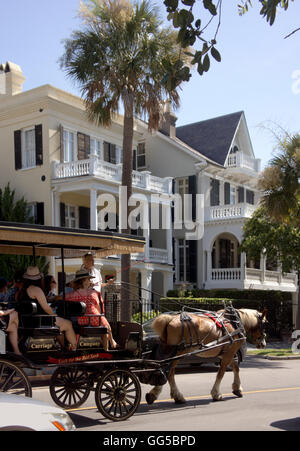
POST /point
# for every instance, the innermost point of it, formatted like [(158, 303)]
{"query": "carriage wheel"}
[(118, 395), (14, 380), (70, 387)]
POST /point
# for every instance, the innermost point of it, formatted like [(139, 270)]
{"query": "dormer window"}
[(234, 149)]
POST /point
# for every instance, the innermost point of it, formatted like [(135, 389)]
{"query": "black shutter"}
[(214, 192), (193, 192), (134, 160), (84, 218), (250, 197), (18, 150), (241, 194), (83, 146), (39, 145), (40, 218), (62, 215), (226, 193), (172, 203), (193, 260)]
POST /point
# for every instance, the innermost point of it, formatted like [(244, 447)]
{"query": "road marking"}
[(191, 398)]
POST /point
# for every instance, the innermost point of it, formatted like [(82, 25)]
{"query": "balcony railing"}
[(229, 212), (240, 160), (111, 172), (156, 255)]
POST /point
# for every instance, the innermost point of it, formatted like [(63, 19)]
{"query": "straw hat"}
[(32, 273), (81, 274)]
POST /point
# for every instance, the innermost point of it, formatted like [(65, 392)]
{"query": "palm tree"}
[(280, 183), (122, 56)]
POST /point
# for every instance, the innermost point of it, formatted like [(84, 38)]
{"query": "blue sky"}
[(255, 74)]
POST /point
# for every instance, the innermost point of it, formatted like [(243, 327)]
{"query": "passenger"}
[(11, 323), (9, 317), (89, 266), (32, 291), (84, 293), (3, 288), (49, 287), (10, 297)]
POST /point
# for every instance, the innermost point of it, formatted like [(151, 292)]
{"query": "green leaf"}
[(215, 54), (206, 63)]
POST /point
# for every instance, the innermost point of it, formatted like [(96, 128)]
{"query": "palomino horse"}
[(173, 331)]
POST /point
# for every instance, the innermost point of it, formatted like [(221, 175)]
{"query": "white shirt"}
[(97, 281)]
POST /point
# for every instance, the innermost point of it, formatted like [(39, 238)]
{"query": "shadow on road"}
[(290, 424)]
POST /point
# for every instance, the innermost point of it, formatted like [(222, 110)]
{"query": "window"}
[(70, 216), (28, 144), (141, 156), (184, 261), (69, 146), (28, 149), (96, 148), (229, 194)]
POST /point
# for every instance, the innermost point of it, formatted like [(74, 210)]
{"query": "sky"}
[(259, 72)]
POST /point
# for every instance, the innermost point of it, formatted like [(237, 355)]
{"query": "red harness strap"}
[(218, 324)]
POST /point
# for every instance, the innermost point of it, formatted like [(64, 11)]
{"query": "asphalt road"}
[(271, 402)]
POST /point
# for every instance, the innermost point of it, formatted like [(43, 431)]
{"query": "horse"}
[(206, 328)]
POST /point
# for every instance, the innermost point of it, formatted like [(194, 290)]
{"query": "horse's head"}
[(254, 323), (258, 333)]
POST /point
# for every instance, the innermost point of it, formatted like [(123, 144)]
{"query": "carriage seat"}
[(33, 324), (73, 310)]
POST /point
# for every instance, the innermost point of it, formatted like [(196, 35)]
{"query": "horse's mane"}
[(249, 317)]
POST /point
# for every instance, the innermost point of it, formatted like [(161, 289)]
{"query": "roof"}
[(29, 239), (213, 137)]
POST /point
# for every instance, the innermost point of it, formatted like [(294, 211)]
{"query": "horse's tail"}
[(160, 325)]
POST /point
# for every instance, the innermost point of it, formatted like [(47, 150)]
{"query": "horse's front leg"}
[(237, 389), (174, 392), (226, 360), (153, 394)]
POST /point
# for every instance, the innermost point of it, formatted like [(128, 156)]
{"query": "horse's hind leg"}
[(174, 392)]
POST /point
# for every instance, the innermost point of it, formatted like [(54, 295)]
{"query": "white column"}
[(146, 283), (93, 209), (168, 282), (169, 237), (56, 200), (243, 266)]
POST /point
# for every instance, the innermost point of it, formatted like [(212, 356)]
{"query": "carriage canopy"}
[(36, 240)]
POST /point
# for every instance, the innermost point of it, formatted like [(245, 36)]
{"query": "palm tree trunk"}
[(127, 181)]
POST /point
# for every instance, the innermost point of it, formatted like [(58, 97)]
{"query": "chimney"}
[(11, 79), (168, 121)]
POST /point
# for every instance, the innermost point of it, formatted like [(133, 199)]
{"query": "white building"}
[(62, 164)]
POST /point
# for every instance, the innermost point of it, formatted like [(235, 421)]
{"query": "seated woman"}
[(32, 291), (83, 293), (11, 323)]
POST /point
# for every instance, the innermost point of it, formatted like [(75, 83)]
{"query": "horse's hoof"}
[(150, 398), (180, 401), (238, 393), (218, 398)]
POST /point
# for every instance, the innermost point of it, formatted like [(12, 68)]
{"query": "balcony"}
[(240, 160), (221, 213), (94, 167), (250, 278)]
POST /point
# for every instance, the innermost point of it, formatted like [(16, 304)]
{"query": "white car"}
[(18, 413)]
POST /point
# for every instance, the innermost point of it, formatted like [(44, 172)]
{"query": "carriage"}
[(113, 375)]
